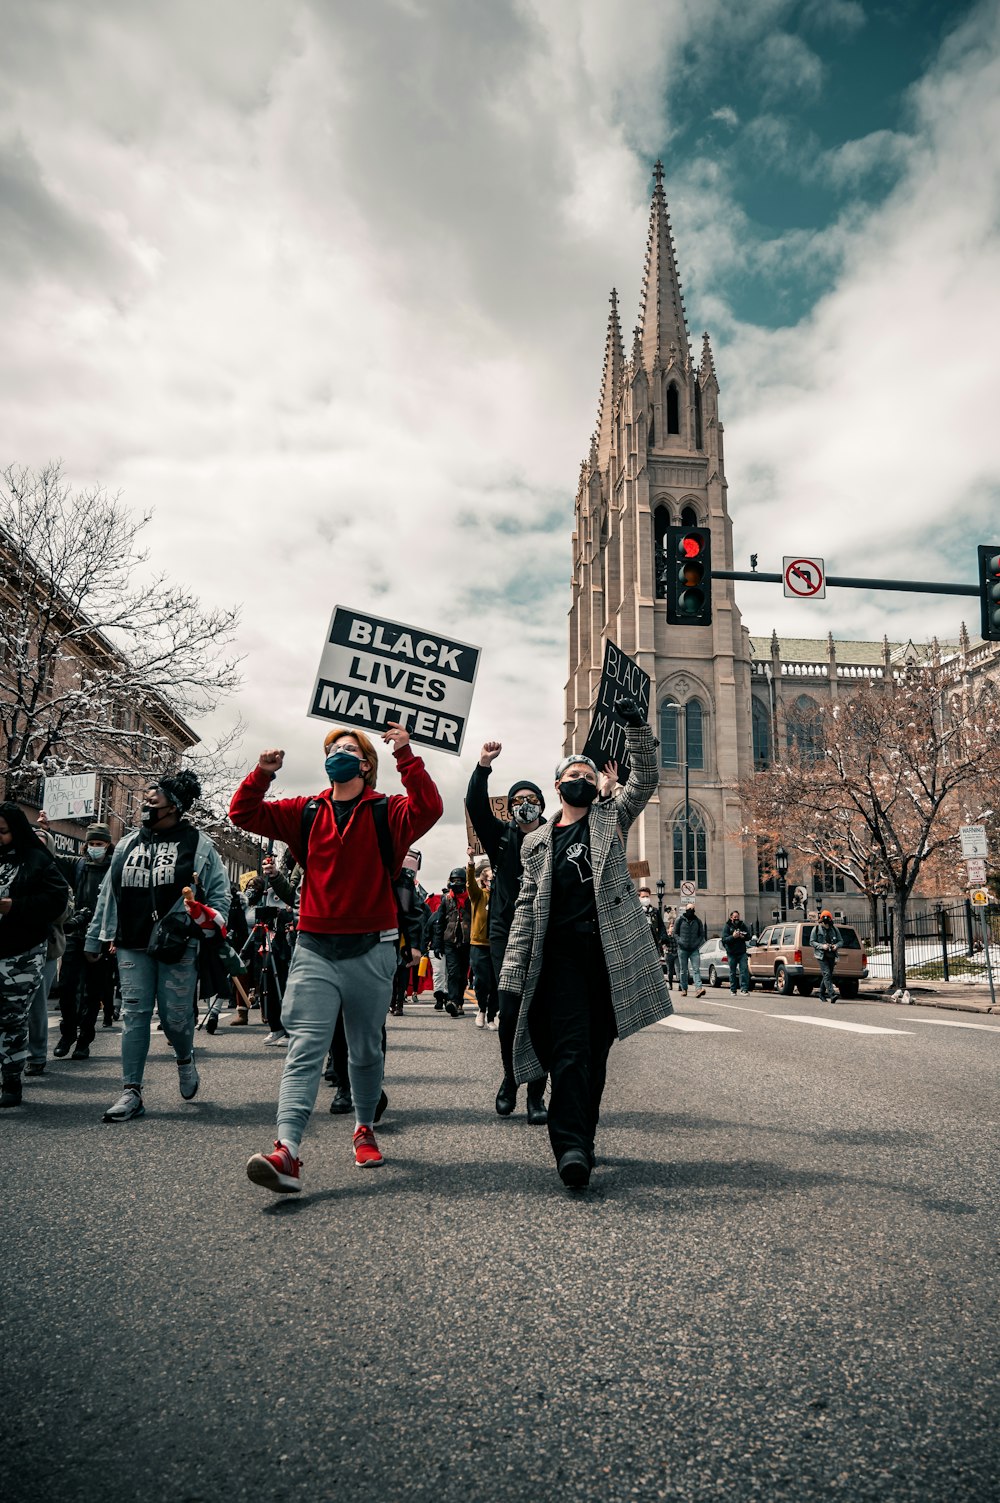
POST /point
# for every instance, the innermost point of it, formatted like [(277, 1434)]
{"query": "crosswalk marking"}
[(695, 1025), (955, 1023), (800, 1017)]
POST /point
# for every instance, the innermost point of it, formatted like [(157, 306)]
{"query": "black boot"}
[(506, 1097), (537, 1114), (341, 1102), (11, 1095), (63, 1047)]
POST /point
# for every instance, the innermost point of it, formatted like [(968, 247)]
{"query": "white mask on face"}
[(646, 902), (97, 852)]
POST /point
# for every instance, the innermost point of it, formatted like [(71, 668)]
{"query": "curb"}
[(985, 1008)]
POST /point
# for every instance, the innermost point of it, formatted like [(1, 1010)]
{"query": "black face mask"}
[(151, 815), (457, 886), (577, 792)]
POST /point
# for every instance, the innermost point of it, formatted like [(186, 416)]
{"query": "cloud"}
[(844, 17), (726, 115), (786, 67)]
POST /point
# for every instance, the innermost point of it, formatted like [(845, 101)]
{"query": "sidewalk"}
[(956, 996)]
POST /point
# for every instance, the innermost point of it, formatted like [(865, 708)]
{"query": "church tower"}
[(656, 460)]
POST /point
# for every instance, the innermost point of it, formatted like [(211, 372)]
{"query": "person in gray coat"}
[(826, 942), (580, 956)]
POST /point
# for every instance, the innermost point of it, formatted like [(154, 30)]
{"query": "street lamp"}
[(661, 888), (781, 863)]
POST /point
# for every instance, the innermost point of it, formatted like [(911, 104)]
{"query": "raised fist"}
[(628, 711), (491, 750), (270, 761)]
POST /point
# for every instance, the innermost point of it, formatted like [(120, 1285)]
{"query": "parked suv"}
[(783, 958)]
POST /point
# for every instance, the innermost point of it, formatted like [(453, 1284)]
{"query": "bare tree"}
[(893, 771), (98, 658)]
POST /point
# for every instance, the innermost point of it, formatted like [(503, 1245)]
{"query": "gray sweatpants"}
[(318, 987)]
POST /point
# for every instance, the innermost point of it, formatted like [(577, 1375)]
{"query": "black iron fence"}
[(942, 944)]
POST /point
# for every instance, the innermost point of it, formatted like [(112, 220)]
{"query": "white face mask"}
[(646, 902), (97, 852)]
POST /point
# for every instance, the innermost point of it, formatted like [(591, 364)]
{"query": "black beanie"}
[(531, 787), (181, 788)]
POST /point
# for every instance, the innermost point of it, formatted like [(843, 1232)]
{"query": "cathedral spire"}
[(707, 370), (662, 318), (614, 365)]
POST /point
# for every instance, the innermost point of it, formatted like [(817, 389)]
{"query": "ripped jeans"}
[(146, 983)]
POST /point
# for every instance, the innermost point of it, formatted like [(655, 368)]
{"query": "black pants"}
[(510, 1009), (456, 959), (484, 980), (572, 1027), (85, 987)]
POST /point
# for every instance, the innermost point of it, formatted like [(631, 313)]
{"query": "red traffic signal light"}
[(989, 590), (689, 576)]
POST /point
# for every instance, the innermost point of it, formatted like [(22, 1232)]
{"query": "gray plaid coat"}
[(638, 988)]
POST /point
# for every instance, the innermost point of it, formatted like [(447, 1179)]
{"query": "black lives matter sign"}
[(374, 673), (606, 737)]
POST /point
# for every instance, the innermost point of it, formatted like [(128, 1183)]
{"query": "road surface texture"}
[(780, 1286)]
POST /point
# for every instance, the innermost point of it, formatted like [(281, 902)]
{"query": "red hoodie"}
[(345, 889)]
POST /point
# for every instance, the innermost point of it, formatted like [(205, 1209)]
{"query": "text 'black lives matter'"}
[(374, 673), (606, 737)]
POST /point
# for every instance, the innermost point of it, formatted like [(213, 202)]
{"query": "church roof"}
[(817, 650)]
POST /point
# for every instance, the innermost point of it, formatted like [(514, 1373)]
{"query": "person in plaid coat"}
[(580, 954)]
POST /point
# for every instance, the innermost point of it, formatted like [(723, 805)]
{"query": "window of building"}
[(690, 849), (105, 799), (661, 521), (673, 409), (761, 735), (767, 877), (669, 739), (826, 878), (802, 729), (699, 442), (694, 718), (689, 517)]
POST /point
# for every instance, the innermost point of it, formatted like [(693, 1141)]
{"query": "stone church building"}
[(721, 700)]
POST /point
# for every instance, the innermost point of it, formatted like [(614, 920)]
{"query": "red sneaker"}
[(276, 1171), (366, 1153)]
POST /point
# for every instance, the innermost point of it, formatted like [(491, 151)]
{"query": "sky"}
[(325, 285)]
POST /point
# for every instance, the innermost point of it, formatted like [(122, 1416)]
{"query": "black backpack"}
[(380, 814)]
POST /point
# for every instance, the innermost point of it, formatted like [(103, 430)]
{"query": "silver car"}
[(714, 963)]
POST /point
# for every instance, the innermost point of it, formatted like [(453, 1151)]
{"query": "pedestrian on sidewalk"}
[(350, 842), (826, 942), (33, 894), (690, 933), (502, 841), (143, 912), (483, 977), (580, 956), (85, 991), (451, 936), (735, 936)]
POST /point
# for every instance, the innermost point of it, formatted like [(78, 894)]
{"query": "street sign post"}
[(973, 838), (980, 898), (688, 890), (804, 578), (976, 872)]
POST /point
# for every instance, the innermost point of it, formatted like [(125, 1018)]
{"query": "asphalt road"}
[(781, 1285)]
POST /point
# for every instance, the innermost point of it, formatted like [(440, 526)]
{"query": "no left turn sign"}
[(805, 578)]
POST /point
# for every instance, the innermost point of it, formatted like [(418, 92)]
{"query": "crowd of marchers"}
[(565, 955)]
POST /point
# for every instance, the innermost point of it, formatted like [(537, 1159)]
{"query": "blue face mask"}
[(342, 766)]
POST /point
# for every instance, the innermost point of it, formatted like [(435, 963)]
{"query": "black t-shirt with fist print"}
[(572, 876)]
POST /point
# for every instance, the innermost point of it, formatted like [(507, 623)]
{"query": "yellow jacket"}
[(480, 899)]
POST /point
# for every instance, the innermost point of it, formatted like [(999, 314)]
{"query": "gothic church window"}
[(699, 442), (826, 878), (761, 735), (689, 517), (682, 727), (694, 717), (690, 849), (673, 409), (802, 730), (669, 743)]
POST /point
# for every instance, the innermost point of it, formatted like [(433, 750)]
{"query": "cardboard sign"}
[(71, 798), (374, 673), (606, 737), (500, 810)]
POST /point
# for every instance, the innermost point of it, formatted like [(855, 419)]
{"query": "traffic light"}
[(689, 576), (989, 589)]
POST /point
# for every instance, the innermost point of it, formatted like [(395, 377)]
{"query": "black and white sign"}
[(973, 838), (805, 578), (976, 872), (688, 891), (71, 797), (606, 737), (375, 673)]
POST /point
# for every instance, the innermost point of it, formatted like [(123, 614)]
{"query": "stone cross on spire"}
[(614, 365), (662, 318)]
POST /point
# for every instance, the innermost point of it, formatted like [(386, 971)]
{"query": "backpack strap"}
[(309, 814), (380, 814)]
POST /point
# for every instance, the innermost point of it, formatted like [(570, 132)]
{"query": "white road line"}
[(695, 1025), (798, 1017), (954, 1023)]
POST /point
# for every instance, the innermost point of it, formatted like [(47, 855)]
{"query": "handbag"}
[(170, 936)]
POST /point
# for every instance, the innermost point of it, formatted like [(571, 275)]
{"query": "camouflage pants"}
[(19, 977)]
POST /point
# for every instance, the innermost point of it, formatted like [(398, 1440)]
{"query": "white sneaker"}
[(129, 1104), (188, 1078), (277, 1037), (494, 1027), (480, 1020), (700, 992)]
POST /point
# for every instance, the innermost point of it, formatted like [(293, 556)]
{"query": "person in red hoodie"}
[(345, 956)]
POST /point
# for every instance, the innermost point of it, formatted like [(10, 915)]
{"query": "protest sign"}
[(500, 811), (71, 797), (375, 673), (606, 737)]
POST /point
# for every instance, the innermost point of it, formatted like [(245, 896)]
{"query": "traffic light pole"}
[(848, 581)]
